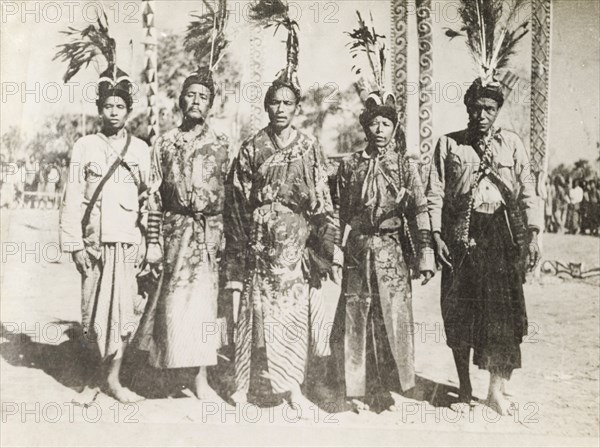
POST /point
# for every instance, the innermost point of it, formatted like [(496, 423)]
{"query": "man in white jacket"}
[(100, 227)]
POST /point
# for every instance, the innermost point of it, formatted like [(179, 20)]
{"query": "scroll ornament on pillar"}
[(150, 68)]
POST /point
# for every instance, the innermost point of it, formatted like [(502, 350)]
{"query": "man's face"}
[(482, 114), (381, 130), (195, 102), (282, 108), (114, 113)]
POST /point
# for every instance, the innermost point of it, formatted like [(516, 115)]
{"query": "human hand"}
[(153, 254), (336, 274), (82, 261), (442, 251), (428, 275)]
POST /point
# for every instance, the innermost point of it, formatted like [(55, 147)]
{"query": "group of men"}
[(130, 205), (32, 184), (572, 206), (259, 235)]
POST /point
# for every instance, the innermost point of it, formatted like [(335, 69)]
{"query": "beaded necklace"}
[(484, 149)]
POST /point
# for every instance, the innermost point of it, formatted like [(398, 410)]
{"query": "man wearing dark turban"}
[(100, 225), (383, 212), (479, 184), (189, 164), (280, 241)]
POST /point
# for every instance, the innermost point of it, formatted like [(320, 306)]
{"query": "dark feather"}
[(268, 12), (508, 47), (512, 30), (452, 33), (86, 45), (205, 36), (366, 40), (491, 32)]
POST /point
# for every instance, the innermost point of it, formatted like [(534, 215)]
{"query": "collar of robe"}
[(375, 152)]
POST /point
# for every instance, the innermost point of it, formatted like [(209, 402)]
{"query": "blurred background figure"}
[(40, 199), (64, 176), (561, 202), (7, 191), (51, 176), (585, 207), (593, 219), (30, 179), (574, 207), (19, 183), (550, 224)]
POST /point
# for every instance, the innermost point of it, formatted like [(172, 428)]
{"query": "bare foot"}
[(122, 394), (86, 397), (301, 404), (499, 403), (359, 406), (204, 392), (239, 397), (505, 390)]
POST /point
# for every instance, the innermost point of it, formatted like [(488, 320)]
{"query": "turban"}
[(379, 105), (478, 90), (202, 76), (115, 84)]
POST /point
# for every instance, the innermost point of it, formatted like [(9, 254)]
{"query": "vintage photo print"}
[(299, 223)]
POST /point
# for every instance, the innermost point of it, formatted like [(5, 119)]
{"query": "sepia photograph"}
[(339, 223)]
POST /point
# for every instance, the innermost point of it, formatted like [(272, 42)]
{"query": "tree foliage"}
[(12, 143)]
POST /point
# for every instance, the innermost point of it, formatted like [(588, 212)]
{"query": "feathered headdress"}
[(492, 29), (371, 86), (269, 13), (84, 47), (366, 40), (205, 38)]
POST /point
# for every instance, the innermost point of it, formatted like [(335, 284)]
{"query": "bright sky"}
[(32, 86)]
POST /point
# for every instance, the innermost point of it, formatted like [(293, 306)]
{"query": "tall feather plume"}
[(293, 48), (492, 29), (205, 36), (275, 13), (366, 40), (511, 33), (86, 45)]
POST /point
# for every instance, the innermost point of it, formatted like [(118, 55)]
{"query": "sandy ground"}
[(556, 392)]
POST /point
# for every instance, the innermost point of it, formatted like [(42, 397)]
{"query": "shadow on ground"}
[(65, 362), (71, 365)]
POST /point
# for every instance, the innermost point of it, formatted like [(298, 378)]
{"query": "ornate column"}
[(399, 15), (541, 21), (151, 68), (256, 63), (425, 37), (541, 12)]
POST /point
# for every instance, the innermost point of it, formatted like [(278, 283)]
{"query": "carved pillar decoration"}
[(541, 21), (399, 55), (541, 13), (256, 64), (151, 67), (424, 29)]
